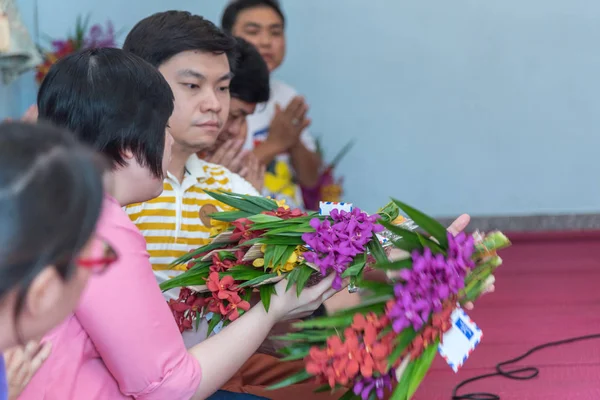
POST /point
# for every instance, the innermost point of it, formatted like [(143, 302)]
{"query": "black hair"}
[(237, 6), (163, 35), (250, 81), (112, 100), (51, 192)]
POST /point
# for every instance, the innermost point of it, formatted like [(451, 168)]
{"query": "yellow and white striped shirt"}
[(171, 222)]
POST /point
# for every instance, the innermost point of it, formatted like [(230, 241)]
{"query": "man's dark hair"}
[(237, 6), (51, 192), (163, 35), (112, 100), (250, 81)]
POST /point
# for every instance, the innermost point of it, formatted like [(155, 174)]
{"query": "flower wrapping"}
[(387, 343)]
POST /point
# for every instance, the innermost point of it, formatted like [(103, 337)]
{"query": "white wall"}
[(487, 107)]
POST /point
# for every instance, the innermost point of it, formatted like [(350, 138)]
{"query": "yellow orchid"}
[(218, 227), (289, 265)]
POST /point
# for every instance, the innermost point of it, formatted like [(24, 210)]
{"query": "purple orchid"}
[(365, 386), (334, 246), (432, 279)]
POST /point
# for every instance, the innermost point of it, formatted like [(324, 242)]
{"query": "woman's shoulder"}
[(115, 225)]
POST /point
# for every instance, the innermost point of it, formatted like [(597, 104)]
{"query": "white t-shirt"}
[(280, 179)]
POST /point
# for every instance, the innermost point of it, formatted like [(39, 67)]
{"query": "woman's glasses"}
[(99, 256)]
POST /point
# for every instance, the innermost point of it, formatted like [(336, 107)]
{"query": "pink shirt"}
[(122, 341)]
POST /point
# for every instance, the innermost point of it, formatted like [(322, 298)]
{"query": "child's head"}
[(118, 104), (50, 200), (196, 58)]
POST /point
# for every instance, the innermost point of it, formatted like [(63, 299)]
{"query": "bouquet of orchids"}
[(388, 342)]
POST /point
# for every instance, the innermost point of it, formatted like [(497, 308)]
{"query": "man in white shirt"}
[(277, 130)]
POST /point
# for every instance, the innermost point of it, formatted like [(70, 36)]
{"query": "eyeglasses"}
[(102, 256)]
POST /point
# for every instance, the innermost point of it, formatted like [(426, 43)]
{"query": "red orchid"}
[(242, 233), (286, 213), (222, 288), (440, 324), (231, 311), (331, 365), (219, 265), (185, 308)]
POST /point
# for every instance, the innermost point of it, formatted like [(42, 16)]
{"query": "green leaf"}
[(281, 255), (237, 201), (189, 256), (358, 264), (297, 378), (303, 275), (269, 255), (421, 367), (409, 240), (337, 321), (349, 395), (216, 318), (295, 351), (400, 343), (197, 320), (283, 240), (428, 224), (433, 246), (201, 265), (266, 291), (263, 218), (230, 216), (401, 392), (377, 250), (377, 288), (395, 265), (308, 336), (195, 277), (292, 278), (258, 280), (262, 202), (297, 229), (242, 273)]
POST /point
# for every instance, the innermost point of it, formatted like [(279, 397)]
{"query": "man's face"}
[(262, 27), (200, 83), (235, 127)]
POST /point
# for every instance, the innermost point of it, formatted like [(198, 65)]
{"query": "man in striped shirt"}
[(197, 66)]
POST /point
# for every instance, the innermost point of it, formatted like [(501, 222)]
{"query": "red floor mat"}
[(547, 289)]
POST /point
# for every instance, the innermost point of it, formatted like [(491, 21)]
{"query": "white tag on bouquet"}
[(460, 340), (326, 207)]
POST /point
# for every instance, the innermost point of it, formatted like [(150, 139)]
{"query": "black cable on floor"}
[(521, 374)]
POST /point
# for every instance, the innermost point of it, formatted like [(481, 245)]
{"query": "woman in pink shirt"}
[(44, 229), (122, 341)]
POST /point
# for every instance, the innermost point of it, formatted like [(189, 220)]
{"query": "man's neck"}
[(179, 157)]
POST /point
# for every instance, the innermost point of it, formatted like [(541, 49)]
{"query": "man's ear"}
[(127, 154), (44, 293)]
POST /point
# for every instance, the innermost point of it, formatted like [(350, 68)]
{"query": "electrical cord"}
[(521, 374)]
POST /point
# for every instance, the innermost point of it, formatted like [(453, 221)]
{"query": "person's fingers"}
[(219, 154), (468, 305), (459, 224), (244, 173), (317, 291), (294, 107), (41, 356), (238, 157)]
